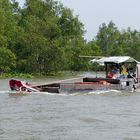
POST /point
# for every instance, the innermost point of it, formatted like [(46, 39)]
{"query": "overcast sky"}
[(92, 13)]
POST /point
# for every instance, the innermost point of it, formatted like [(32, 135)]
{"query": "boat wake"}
[(30, 93), (97, 92), (104, 91), (91, 92), (3, 92)]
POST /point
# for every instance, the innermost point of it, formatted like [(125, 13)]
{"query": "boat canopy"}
[(113, 59)]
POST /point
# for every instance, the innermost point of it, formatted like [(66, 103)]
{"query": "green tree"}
[(92, 49), (7, 24), (48, 30), (72, 40), (40, 33), (107, 39), (132, 43), (7, 60)]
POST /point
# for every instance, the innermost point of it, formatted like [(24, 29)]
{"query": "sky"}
[(92, 13)]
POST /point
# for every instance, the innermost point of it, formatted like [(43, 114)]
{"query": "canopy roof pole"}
[(106, 69)]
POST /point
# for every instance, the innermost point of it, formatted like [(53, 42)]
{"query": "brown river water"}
[(95, 115)]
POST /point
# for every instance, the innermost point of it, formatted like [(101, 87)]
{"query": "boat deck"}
[(81, 84)]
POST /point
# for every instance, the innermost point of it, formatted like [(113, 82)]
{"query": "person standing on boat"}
[(110, 74), (113, 72), (124, 72)]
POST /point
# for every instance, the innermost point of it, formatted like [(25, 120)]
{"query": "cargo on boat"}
[(121, 73)]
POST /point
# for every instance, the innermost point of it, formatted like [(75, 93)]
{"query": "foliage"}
[(107, 39), (7, 60), (45, 37)]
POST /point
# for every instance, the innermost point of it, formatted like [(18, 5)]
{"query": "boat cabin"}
[(120, 69)]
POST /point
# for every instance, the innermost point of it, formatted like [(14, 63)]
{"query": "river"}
[(97, 115)]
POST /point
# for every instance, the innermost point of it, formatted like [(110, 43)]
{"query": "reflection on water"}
[(95, 115)]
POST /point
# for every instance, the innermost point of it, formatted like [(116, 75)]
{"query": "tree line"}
[(44, 36)]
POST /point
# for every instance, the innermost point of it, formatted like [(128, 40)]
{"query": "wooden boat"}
[(129, 81)]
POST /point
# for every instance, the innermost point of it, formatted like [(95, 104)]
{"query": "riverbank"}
[(59, 74)]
